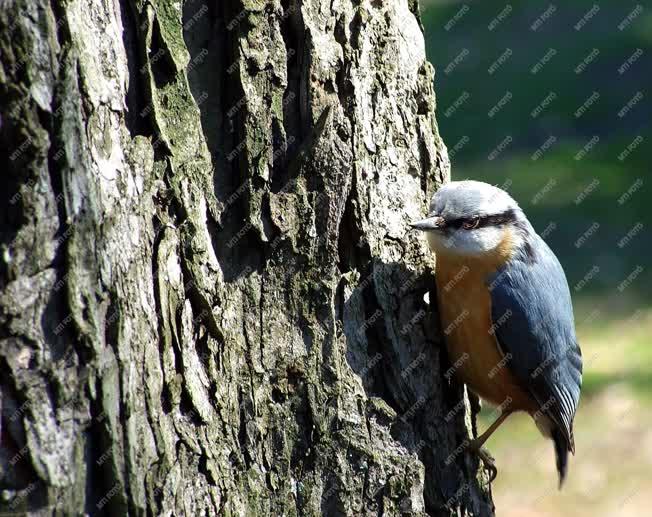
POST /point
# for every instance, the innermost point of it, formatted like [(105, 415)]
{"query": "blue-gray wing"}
[(533, 321)]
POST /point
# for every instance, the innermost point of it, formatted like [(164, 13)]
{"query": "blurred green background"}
[(551, 101)]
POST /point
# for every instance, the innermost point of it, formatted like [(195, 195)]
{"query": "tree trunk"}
[(210, 302)]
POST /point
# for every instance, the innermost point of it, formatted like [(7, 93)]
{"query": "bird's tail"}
[(561, 454)]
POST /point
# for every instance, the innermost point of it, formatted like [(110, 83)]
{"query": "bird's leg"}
[(476, 407), (476, 445), (478, 442), (488, 460)]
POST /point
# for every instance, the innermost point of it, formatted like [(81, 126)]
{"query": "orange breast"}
[(465, 311)]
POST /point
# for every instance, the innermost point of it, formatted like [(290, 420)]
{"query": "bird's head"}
[(471, 218)]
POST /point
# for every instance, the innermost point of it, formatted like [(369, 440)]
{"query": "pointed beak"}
[(429, 224)]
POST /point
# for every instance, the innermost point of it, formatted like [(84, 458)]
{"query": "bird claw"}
[(486, 457)]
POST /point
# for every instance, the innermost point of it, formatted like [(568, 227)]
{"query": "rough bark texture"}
[(210, 301)]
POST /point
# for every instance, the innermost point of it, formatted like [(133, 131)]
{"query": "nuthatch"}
[(506, 311)]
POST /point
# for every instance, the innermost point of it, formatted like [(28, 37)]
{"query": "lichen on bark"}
[(210, 302)]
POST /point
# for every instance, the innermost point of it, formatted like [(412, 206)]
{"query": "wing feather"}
[(540, 332)]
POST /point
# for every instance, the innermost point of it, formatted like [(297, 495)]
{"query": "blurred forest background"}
[(551, 101)]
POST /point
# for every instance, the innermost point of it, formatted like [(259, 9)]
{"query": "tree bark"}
[(210, 302)]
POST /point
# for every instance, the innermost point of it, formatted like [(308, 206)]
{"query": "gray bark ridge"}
[(210, 302)]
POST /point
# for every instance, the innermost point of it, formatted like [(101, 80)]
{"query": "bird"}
[(506, 312)]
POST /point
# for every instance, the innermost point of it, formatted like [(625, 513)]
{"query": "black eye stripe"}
[(483, 221)]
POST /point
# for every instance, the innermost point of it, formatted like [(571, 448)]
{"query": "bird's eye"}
[(471, 224)]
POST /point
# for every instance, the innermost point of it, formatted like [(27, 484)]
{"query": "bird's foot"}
[(475, 447)]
